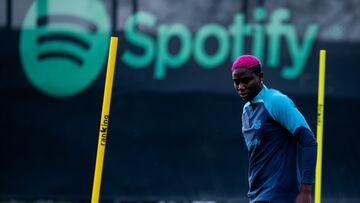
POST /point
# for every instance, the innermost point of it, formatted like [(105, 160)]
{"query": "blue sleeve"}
[(308, 153), (284, 111)]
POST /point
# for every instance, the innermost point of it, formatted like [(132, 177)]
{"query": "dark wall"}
[(160, 146)]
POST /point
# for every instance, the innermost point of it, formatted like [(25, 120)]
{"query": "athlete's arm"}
[(285, 112), (305, 194)]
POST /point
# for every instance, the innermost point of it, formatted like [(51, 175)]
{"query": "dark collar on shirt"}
[(259, 97)]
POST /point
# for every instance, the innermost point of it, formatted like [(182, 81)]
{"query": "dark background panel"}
[(160, 146)]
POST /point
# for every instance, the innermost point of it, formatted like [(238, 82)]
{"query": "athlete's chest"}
[(257, 125)]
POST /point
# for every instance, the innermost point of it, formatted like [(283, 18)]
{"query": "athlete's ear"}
[(261, 76)]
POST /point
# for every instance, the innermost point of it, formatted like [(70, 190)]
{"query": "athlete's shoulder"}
[(276, 102), (283, 110), (275, 97)]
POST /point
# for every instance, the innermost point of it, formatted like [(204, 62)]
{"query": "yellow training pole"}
[(104, 120), (320, 124)]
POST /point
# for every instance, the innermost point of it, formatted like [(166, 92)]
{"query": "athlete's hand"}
[(305, 194)]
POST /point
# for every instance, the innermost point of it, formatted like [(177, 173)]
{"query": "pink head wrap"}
[(245, 61)]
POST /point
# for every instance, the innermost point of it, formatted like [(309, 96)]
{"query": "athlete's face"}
[(246, 83)]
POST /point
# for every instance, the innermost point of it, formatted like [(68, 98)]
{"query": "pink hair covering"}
[(245, 61)]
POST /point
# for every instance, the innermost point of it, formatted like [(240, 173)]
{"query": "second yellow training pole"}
[(104, 123), (320, 124)]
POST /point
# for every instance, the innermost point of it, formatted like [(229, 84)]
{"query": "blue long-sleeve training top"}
[(272, 127)]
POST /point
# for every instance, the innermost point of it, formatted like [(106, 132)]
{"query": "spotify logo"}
[(63, 45)]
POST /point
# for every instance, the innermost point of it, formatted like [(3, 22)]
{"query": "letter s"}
[(142, 40)]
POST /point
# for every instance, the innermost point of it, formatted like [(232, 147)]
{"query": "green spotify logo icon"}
[(64, 44)]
